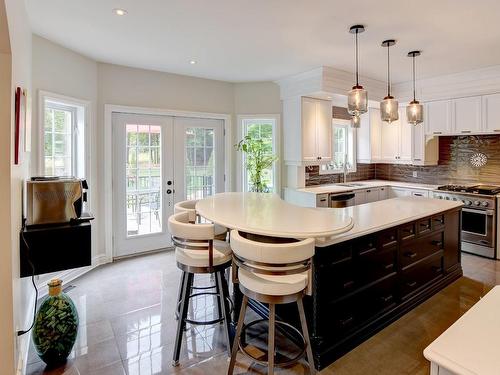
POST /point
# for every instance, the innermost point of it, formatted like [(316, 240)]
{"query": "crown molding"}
[(324, 81), (470, 83)]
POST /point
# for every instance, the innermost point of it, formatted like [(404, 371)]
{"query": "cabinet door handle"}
[(368, 191), (348, 284), (466, 131), (417, 159), (437, 243), (323, 200), (346, 321), (436, 269), (411, 284), (437, 132), (389, 266), (410, 254), (417, 195), (386, 298)]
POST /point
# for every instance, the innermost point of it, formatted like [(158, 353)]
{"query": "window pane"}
[(200, 166), (58, 145), (264, 130)]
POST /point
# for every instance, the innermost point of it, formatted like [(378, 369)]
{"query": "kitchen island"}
[(372, 264)]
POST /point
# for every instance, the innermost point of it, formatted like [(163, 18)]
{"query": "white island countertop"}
[(470, 345), (376, 216), (269, 215)]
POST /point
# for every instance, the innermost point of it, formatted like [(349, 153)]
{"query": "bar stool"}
[(190, 206), (196, 252), (272, 273)]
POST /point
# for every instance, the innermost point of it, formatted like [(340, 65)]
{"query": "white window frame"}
[(82, 109), (241, 173), (351, 148)]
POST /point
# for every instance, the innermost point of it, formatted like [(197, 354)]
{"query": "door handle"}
[(169, 182), (169, 191)]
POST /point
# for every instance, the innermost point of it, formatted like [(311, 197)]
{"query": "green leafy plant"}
[(257, 160)]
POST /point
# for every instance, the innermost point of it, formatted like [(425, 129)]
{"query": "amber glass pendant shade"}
[(389, 111), (357, 101), (414, 110), (357, 98), (415, 113)]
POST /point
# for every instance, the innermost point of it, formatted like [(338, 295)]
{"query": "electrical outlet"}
[(415, 174)]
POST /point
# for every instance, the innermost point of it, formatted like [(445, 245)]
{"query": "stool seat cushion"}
[(219, 229), (199, 258), (274, 285)]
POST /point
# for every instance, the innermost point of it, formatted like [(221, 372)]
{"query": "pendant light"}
[(389, 106), (357, 98), (414, 110), (355, 122)]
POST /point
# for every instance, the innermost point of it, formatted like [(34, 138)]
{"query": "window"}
[(343, 148), (63, 138), (265, 128)]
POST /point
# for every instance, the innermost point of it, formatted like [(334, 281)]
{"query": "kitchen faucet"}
[(345, 168)]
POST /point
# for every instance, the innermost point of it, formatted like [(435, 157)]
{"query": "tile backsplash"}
[(454, 165)]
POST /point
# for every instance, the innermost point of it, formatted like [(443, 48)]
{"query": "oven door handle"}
[(484, 212)]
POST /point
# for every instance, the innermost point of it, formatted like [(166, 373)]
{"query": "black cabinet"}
[(55, 248)]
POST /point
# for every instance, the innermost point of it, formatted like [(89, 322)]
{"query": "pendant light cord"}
[(414, 96), (357, 78), (388, 72)]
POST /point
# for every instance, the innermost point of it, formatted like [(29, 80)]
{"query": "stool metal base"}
[(222, 293), (286, 363), (272, 300)]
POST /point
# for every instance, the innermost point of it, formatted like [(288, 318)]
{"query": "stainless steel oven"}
[(479, 221), (479, 231)]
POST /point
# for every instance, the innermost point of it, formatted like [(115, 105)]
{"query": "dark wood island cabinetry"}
[(363, 284)]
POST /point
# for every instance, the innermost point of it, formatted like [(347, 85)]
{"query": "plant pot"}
[(56, 326)]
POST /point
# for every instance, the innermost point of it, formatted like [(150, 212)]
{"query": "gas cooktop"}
[(474, 189)]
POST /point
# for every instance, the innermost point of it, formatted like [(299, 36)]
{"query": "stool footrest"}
[(283, 325)]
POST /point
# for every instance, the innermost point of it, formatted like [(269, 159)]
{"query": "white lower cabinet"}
[(396, 192), (359, 197), (382, 193), (372, 195)]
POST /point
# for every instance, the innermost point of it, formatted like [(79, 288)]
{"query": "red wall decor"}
[(17, 124)]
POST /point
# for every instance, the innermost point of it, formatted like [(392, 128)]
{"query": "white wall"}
[(59, 70), (22, 293)]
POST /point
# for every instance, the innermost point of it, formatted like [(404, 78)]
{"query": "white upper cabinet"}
[(368, 149), (307, 130), (467, 115), (405, 137), (491, 113), (438, 117), (425, 150), (390, 141)]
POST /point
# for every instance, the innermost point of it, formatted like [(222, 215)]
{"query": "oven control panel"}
[(475, 201)]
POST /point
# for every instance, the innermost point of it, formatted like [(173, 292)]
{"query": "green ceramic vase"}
[(56, 326)]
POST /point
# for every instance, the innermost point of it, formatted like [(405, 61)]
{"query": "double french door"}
[(158, 161)]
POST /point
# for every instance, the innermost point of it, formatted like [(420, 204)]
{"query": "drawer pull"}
[(411, 284), (323, 200), (437, 269), (425, 225), (389, 266), (437, 243), (346, 321), (408, 230), (368, 191), (410, 254), (348, 284), (386, 298), (439, 221), (466, 131)]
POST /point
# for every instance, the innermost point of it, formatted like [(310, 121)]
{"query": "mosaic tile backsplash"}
[(454, 165)]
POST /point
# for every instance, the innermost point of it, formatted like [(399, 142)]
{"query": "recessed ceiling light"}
[(120, 12), (192, 62)]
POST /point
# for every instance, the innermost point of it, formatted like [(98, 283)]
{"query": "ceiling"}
[(259, 40)]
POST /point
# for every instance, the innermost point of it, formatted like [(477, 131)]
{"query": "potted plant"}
[(257, 160)]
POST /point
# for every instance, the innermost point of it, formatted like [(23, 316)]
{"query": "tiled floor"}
[(127, 326)]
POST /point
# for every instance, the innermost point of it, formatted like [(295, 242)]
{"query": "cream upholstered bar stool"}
[(190, 206), (196, 252), (272, 273)]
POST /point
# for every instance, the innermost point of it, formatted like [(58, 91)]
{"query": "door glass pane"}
[(200, 163), (143, 179)]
